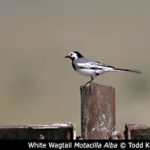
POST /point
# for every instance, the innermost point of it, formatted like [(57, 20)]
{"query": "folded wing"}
[(94, 65)]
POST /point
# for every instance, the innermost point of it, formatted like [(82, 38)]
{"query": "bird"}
[(91, 68)]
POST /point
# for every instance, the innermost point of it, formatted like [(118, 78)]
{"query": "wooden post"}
[(97, 112)]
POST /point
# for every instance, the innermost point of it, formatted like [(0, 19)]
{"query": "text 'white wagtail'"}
[(91, 68)]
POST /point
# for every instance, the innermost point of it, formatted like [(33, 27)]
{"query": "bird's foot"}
[(88, 88)]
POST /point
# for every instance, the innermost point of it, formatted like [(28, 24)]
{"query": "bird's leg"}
[(81, 87), (91, 83), (88, 83)]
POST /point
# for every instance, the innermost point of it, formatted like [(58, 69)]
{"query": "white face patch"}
[(73, 55)]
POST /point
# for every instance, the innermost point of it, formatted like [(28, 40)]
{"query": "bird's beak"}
[(66, 56)]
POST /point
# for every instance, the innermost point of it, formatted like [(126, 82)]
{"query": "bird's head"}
[(74, 55)]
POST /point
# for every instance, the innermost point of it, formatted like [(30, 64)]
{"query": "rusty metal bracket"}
[(137, 131), (57, 131)]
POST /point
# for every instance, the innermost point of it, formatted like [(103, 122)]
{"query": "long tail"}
[(127, 70)]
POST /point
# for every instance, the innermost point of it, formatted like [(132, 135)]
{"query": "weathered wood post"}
[(97, 112)]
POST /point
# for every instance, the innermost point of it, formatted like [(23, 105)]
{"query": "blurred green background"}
[(39, 86)]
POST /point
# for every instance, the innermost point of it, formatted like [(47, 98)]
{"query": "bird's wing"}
[(92, 65)]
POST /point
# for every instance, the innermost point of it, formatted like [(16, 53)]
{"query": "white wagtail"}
[(91, 68)]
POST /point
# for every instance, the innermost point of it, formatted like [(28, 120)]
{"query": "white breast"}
[(89, 72)]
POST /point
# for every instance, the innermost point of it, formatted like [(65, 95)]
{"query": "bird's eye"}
[(71, 54)]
